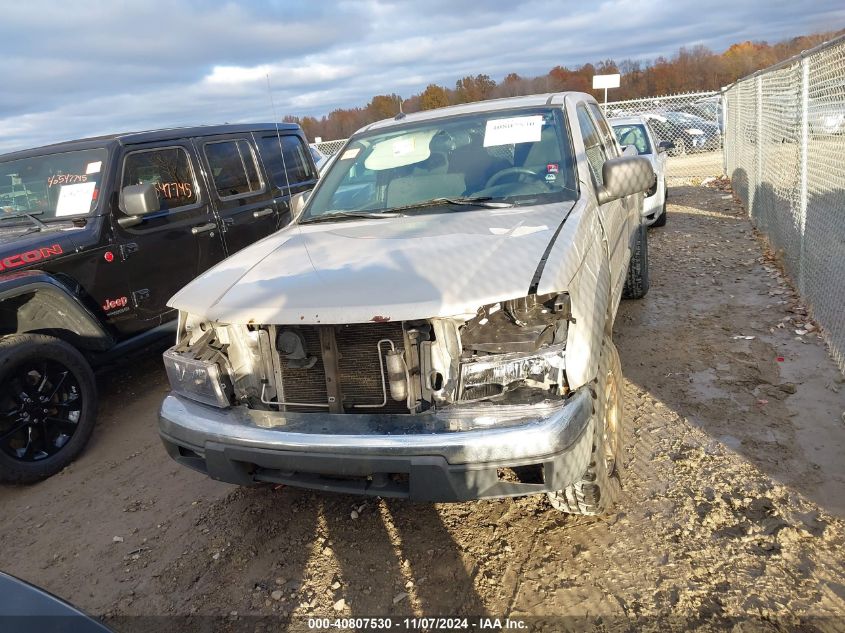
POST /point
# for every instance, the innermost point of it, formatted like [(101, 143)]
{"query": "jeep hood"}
[(414, 267)]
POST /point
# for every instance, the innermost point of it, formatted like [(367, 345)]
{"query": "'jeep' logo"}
[(29, 257)]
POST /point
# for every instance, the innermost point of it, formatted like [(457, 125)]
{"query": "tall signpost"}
[(605, 81)]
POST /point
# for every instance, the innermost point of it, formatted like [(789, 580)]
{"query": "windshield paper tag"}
[(518, 129), (75, 199), (94, 168), (350, 153)]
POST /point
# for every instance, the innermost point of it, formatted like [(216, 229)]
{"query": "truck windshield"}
[(517, 157), (53, 185)]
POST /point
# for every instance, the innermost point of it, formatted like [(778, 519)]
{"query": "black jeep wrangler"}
[(95, 236)]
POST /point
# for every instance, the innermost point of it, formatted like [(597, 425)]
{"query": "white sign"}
[(75, 199), (518, 129), (605, 81)]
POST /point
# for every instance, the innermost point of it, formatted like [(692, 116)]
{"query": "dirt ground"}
[(733, 503)]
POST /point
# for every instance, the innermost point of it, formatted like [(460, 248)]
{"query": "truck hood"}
[(414, 267)]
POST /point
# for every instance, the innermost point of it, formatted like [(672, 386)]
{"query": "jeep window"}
[(169, 169), (516, 156), (233, 168), (291, 158), (596, 155), (633, 134), (53, 185)]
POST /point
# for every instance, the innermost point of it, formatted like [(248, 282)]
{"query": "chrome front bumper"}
[(446, 456)]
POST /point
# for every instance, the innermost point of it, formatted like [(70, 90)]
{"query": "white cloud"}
[(85, 69)]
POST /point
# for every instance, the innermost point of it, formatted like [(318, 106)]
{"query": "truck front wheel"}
[(597, 491), (48, 402)]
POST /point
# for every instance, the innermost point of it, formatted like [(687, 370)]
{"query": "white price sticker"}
[(518, 129), (75, 199)]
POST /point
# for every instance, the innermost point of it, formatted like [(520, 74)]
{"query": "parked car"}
[(442, 334), (25, 608), (95, 236), (633, 131), (687, 132)]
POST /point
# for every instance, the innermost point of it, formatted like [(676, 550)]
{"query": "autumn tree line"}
[(691, 69)]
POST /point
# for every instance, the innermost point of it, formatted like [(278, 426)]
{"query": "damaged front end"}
[(508, 353)]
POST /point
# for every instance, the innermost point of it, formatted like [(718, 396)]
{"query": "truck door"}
[(169, 248), (614, 214), (239, 191), (289, 167)]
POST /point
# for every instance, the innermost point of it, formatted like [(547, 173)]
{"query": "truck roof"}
[(491, 105), (133, 138)]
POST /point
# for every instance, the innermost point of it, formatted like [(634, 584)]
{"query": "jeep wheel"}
[(48, 401), (636, 282), (598, 490)]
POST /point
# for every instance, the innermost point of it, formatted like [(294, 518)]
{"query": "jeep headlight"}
[(490, 376), (197, 378)]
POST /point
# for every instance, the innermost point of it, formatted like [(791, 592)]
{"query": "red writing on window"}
[(170, 190), (66, 179)]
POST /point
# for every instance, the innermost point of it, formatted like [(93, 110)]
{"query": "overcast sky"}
[(72, 69)]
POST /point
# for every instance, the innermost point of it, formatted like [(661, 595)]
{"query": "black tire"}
[(599, 488), (48, 406), (636, 283), (661, 219)]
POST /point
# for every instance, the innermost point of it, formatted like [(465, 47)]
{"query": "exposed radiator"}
[(358, 364)]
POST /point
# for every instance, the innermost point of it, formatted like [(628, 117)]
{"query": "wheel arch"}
[(36, 302)]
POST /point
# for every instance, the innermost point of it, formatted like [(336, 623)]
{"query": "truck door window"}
[(596, 155), (605, 132), (292, 156), (169, 169), (233, 168)]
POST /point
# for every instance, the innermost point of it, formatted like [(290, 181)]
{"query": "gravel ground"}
[(733, 503)]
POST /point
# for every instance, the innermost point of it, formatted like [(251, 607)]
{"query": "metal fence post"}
[(802, 165), (758, 167)]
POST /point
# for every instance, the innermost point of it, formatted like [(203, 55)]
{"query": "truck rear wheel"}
[(48, 403), (636, 282), (600, 486)]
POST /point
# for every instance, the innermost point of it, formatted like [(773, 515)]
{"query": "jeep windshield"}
[(458, 163), (51, 186)]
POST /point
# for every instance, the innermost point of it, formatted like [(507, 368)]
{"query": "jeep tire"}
[(597, 491), (636, 282), (48, 406)]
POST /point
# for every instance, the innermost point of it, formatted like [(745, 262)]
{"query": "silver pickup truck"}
[(435, 325)]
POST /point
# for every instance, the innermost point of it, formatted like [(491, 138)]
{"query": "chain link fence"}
[(784, 149), (330, 148), (692, 122)]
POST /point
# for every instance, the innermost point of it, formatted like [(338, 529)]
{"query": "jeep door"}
[(167, 249), (239, 191), (289, 167), (613, 215)]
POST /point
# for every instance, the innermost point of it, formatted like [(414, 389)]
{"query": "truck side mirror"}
[(138, 201), (662, 146), (624, 176)]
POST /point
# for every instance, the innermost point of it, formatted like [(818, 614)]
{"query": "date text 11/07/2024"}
[(413, 624)]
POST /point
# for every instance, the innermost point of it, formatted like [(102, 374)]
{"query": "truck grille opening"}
[(358, 368)]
